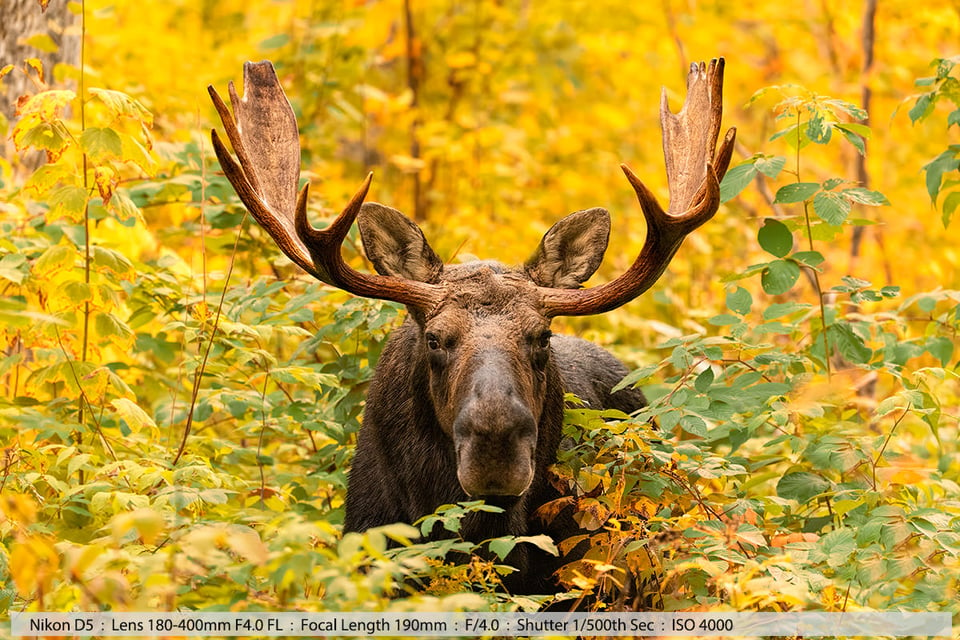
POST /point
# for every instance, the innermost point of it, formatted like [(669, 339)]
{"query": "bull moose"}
[(468, 396)]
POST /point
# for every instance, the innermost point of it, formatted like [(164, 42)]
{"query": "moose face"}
[(486, 341), (487, 348)]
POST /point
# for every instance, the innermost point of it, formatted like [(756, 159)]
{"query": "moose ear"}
[(396, 246), (571, 250)]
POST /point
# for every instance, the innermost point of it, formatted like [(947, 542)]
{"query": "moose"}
[(467, 399)]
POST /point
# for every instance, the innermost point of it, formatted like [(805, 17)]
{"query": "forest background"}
[(180, 403)]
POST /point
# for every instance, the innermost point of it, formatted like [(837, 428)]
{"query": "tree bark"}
[(21, 21)]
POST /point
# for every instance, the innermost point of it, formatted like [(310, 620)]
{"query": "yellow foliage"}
[(34, 564), (18, 508), (487, 121)]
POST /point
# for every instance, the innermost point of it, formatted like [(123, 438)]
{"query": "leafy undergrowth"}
[(179, 438)]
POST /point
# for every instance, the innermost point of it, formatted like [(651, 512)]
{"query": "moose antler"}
[(265, 138), (694, 170)]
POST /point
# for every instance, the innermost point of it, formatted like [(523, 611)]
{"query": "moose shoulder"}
[(467, 399)]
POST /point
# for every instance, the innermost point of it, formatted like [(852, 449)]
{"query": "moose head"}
[(487, 416)]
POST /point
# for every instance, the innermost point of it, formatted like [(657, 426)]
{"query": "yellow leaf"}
[(461, 59), (148, 523), (33, 564), (131, 413), (122, 105), (19, 508), (245, 542), (48, 105), (408, 164), (37, 65), (106, 180), (78, 560), (42, 41)]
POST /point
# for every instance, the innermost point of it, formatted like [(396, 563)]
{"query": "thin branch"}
[(867, 39), (414, 74), (886, 441), (206, 354)]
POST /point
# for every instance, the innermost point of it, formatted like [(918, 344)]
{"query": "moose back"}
[(467, 398)]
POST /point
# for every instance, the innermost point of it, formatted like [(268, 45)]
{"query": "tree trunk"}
[(23, 20)]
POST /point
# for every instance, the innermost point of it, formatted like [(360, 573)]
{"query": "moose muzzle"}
[(495, 434)]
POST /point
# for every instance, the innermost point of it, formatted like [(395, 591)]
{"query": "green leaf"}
[(953, 118), (796, 192), (779, 276), (124, 209), (809, 258), (819, 130), (110, 328), (921, 108), (780, 309), (861, 130), (14, 267), (101, 143), (502, 546), (802, 486), (941, 348), (854, 139), (736, 180), (831, 207), (681, 358), (694, 425), (795, 136), (635, 376), (838, 546), (275, 42), (950, 204), (860, 195), (723, 320), (851, 346), (943, 163), (739, 301), (704, 380), (52, 137), (775, 237), (770, 167)]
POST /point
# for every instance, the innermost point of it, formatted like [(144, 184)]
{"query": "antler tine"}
[(263, 132), (694, 169)]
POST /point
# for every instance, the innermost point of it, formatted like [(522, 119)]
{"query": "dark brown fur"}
[(406, 463)]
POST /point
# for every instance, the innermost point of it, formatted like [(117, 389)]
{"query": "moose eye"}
[(543, 340), (433, 342)]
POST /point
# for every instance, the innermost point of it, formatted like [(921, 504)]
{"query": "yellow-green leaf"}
[(131, 413), (68, 201), (54, 260), (101, 143), (110, 328), (123, 105)]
